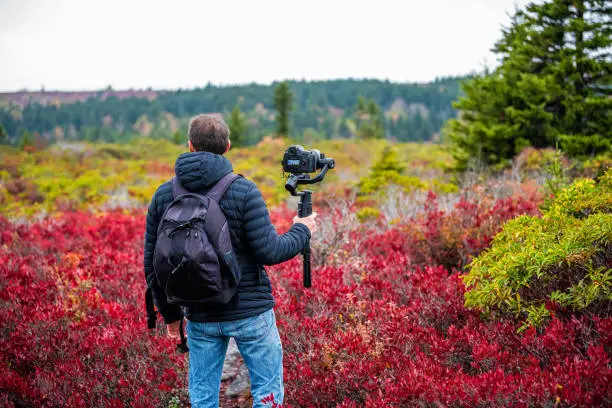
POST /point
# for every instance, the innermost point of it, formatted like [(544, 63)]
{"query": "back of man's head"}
[(208, 133)]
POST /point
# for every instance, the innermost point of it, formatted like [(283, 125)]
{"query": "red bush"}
[(409, 342), (451, 238), (71, 316), (386, 328)]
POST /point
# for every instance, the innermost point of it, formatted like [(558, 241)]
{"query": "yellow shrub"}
[(561, 257), (367, 214)]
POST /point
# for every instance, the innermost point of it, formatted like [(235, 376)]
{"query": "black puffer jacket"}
[(254, 239)]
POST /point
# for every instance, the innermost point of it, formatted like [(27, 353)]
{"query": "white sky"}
[(84, 44)]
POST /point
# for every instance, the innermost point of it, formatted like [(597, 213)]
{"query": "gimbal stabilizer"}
[(299, 162)]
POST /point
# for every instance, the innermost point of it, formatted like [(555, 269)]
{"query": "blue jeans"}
[(259, 343)]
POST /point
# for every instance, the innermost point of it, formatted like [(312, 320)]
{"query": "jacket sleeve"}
[(170, 313), (267, 247)]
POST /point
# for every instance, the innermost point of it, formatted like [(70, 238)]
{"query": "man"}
[(249, 318)]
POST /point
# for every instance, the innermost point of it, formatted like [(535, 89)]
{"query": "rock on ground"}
[(235, 372)]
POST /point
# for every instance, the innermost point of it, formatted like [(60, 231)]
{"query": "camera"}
[(298, 160)]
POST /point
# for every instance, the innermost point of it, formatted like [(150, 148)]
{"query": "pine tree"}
[(385, 171), (178, 138), (427, 129), (370, 119), (553, 84), (4, 137), (388, 161), (238, 127), (283, 102), (361, 105), (26, 142), (377, 120)]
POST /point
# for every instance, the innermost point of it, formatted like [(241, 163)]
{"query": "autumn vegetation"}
[(399, 320), (474, 270)]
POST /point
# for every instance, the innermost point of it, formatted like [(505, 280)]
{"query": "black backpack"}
[(193, 259)]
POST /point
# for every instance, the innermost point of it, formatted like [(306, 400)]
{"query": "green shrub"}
[(560, 260), (386, 171)]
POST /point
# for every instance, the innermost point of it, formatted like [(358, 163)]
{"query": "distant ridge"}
[(23, 98), (58, 97)]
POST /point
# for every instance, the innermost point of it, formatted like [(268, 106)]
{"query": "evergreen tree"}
[(26, 142), (427, 130), (238, 127), (553, 84), (370, 119), (388, 161), (361, 105), (283, 102), (178, 138), (377, 120), (387, 170), (417, 127), (91, 134), (4, 137)]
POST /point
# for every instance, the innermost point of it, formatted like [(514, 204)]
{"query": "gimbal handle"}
[(304, 210)]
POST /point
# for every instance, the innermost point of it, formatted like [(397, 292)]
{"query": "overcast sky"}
[(83, 44)]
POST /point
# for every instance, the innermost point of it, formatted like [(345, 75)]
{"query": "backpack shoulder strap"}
[(151, 313), (219, 189), (177, 188)]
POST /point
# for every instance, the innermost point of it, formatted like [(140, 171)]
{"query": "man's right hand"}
[(174, 330), (309, 221)]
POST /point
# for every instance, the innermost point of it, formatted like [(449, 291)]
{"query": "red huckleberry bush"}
[(71, 316), (383, 325)]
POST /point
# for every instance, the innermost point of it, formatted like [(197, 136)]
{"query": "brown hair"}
[(208, 133)]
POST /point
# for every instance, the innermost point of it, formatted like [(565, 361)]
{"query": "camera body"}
[(298, 160)]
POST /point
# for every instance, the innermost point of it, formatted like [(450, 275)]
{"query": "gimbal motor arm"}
[(296, 179)]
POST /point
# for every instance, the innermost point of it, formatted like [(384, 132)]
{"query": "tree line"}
[(319, 109)]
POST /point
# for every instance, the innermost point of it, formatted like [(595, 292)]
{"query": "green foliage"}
[(561, 257), (312, 136), (283, 102), (412, 127), (4, 137), (389, 161), (238, 127), (179, 138), (558, 178), (585, 198), (370, 119), (553, 84), (388, 171), (26, 141), (81, 175)]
